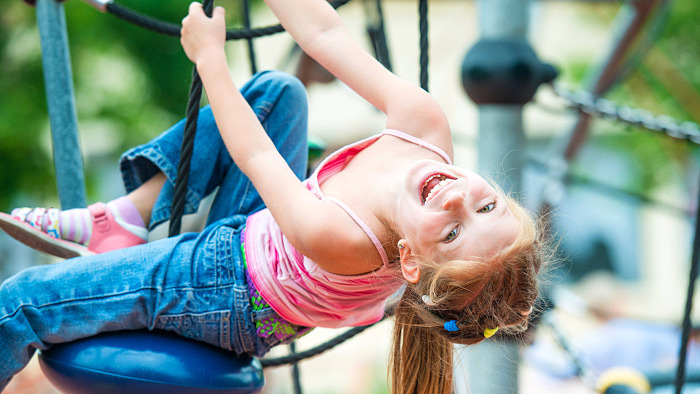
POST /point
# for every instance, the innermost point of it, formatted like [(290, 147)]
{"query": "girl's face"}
[(448, 213)]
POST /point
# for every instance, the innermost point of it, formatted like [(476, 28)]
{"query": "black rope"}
[(583, 370), (172, 29), (377, 35), (680, 374), (598, 107), (423, 27), (613, 190), (314, 351), (187, 148), (251, 46), (296, 375)]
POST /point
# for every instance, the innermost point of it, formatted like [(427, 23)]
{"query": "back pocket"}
[(210, 327)]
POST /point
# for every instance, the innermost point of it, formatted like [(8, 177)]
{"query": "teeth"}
[(437, 187), (428, 180)]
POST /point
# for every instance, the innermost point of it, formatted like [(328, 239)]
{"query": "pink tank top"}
[(295, 286)]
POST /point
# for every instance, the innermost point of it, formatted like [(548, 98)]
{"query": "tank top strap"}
[(419, 142), (364, 227)]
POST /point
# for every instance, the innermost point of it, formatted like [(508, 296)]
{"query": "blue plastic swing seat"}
[(148, 362)]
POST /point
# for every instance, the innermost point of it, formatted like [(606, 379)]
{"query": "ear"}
[(409, 266)]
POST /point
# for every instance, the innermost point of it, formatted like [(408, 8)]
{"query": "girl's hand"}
[(200, 34)]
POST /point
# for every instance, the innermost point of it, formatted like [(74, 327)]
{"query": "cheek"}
[(508, 234), (426, 235)]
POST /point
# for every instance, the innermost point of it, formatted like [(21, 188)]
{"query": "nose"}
[(454, 200)]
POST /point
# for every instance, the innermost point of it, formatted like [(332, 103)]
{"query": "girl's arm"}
[(319, 31), (304, 219)]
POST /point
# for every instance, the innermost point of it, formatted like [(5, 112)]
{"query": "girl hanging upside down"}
[(280, 255)]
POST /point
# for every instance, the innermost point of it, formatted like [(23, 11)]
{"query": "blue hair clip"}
[(451, 326)]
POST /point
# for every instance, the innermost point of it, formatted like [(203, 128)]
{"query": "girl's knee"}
[(286, 86), (277, 77)]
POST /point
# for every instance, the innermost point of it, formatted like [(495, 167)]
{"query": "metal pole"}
[(58, 81), (501, 138), (492, 365)]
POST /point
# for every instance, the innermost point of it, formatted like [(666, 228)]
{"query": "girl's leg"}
[(193, 284), (144, 196), (149, 171)]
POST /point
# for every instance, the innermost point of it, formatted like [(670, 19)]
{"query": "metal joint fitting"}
[(101, 5)]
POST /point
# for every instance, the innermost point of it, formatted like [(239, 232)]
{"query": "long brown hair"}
[(477, 294)]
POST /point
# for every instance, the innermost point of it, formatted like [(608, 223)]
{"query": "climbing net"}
[(606, 109), (583, 102), (172, 29)]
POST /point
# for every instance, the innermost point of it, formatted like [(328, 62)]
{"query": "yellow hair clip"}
[(488, 333)]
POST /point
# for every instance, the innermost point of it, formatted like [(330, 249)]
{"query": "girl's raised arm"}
[(306, 221), (319, 31)]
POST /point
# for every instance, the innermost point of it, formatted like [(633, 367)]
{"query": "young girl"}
[(279, 256)]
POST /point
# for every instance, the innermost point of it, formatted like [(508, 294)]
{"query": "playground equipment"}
[(69, 168)]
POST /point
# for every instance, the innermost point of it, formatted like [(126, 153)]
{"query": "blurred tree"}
[(130, 84), (665, 81)]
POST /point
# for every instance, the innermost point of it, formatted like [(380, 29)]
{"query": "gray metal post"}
[(492, 366), (58, 81)]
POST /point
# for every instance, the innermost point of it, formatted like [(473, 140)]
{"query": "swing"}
[(144, 361)]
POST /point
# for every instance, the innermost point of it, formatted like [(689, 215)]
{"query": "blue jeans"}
[(193, 284)]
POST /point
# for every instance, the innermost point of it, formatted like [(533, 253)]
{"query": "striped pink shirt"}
[(295, 286)]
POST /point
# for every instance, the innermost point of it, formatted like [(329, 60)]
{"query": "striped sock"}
[(76, 224)]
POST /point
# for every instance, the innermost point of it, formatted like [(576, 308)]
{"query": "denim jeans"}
[(193, 284)]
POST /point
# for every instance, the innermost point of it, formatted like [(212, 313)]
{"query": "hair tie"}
[(451, 326), (488, 333), (427, 300)]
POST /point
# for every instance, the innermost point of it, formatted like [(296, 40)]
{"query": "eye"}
[(452, 235), (487, 208)]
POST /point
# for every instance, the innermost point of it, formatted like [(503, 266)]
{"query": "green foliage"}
[(22, 90), (130, 84), (657, 158)]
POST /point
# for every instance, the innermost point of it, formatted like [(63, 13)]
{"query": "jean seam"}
[(83, 299)]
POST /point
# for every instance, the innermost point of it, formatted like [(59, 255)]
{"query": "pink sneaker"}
[(107, 234)]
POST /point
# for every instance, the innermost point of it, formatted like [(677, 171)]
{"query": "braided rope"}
[(687, 323), (187, 148), (172, 29), (606, 109), (423, 27), (251, 44), (314, 351), (583, 368), (604, 188)]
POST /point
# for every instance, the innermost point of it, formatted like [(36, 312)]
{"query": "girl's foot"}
[(77, 232)]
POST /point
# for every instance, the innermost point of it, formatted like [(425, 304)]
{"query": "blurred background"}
[(623, 225)]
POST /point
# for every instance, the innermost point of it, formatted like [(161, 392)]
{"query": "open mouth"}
[(432, 185)]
